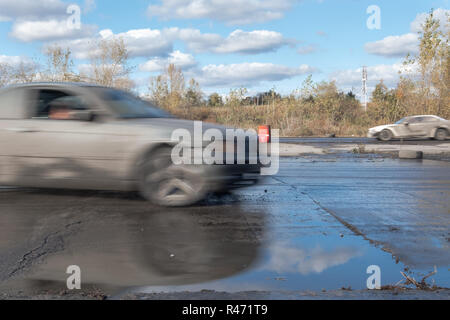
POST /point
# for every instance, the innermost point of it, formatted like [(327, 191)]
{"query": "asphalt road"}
[(315, 226)]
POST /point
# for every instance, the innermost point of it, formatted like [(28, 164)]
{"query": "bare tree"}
[(4, 74), (215, 100), (109, 64), (59, 65), (21, 73), (159, 90), (25, 72), (193, 95), (168, 89), (433, 62)]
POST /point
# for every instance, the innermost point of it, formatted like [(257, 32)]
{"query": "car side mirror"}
[(82, 115), (406, 123)]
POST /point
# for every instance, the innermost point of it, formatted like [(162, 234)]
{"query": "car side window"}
[(57, 105), (430, 119), (416, 120)]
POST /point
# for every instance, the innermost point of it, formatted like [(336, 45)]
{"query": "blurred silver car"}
[(80, 136), (413, 127)]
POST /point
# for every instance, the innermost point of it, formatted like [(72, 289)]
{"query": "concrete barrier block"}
[(409, 154)]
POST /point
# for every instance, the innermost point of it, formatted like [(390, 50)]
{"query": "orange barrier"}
[(264, 134)]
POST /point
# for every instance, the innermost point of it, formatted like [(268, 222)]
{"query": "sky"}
[(224, 44)]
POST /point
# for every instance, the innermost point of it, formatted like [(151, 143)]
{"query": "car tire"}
[(441, 135), (385, 135), (166, 184)]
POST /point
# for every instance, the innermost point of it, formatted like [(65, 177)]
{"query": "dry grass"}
[(327, 114), (291, 121)]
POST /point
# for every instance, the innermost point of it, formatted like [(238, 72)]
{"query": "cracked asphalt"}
[(307, 233)]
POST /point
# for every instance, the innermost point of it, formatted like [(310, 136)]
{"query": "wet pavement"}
[(318, 225)]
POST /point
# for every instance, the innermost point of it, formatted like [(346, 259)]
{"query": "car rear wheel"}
[(166, 184), (441, 134), (385, 135)]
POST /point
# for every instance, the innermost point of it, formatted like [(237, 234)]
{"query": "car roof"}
[(53, 84), (425, 115)]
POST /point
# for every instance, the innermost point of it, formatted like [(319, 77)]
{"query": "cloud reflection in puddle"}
[(287, 259)]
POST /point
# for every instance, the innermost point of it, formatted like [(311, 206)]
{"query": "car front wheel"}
[(385, 135), (166, 184), (441, 134)]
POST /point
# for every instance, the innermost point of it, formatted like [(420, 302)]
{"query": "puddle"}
[(307, 249), (314, 263)]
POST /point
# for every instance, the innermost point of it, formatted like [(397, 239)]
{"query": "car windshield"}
[(401, 121), (128, 106)]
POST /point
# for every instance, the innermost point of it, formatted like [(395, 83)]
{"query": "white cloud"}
[(439, 14), (15, 61), (229, 11), (49, 30), (394, 46), (159, 43), (285, 259), (251, 42), (194, 38), (238, 41), (143, 42), (28, 9), (182, 60), (400, 46), (81, 48), (139, 42), (43, 20), (246, 74), (353, 77), (390, 74)]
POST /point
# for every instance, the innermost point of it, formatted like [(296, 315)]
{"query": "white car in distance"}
[(427, 126)]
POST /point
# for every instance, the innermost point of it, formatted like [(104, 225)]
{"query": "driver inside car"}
[(59, 111)]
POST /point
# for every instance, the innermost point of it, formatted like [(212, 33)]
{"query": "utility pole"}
[(364, 87)]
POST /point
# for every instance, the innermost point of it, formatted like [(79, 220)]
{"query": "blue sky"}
[(259, 44)]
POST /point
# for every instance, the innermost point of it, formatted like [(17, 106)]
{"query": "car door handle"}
[(21, 130)]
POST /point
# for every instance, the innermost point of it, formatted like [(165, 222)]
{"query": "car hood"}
[(162, 128), (172, 124), (381, 128)]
